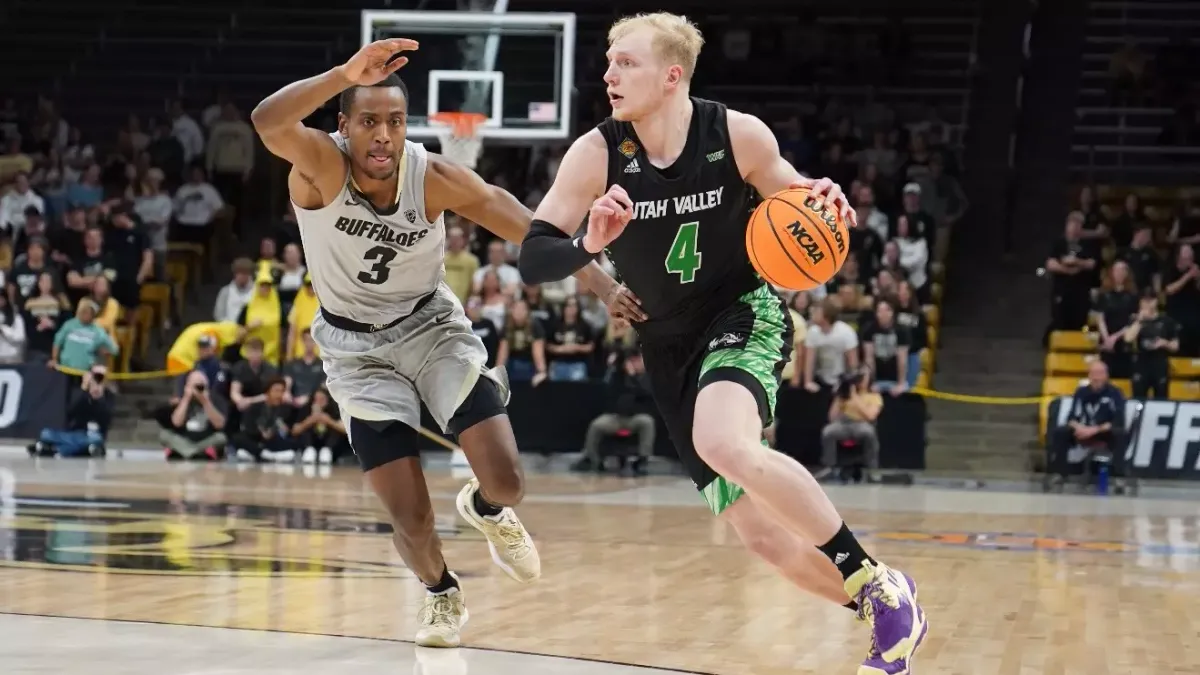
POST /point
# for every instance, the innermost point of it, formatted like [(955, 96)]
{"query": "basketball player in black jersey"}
[(680, 171)]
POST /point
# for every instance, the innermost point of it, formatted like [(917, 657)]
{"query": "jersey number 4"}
[(380, 271), (684, 257)]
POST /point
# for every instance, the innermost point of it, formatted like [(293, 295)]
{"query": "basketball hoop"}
[(458, 132)]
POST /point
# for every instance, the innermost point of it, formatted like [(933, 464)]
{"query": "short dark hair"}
[(346, 98)]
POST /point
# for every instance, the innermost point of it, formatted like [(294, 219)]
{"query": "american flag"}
[(543, 112)]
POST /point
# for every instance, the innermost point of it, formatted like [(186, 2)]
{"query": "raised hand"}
[(374, 62), (607, 219)]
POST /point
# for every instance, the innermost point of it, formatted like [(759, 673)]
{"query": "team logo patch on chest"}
[(627, 148), (375, 231), (411, 216)]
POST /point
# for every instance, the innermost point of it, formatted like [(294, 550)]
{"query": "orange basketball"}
[(793, 243)]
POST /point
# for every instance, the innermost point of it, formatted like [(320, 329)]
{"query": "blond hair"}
[(676, 38)]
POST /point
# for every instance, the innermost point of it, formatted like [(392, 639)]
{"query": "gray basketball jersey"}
[(371, 267)]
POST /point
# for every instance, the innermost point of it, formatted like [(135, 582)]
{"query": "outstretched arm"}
[(756, 151), (453, 187)]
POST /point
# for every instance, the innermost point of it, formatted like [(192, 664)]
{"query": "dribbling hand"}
[(825, 191), (607, 219), (374, 62)]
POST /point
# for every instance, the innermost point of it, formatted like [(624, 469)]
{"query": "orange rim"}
[(463, 124)]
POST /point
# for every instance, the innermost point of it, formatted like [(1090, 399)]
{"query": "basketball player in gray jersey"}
[(392, 335)]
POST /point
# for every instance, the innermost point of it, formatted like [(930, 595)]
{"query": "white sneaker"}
[(325, 456), (244, 455), (512, 548), (309, 456), (442, 617)]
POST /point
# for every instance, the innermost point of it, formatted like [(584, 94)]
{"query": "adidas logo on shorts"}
[(633, 167)]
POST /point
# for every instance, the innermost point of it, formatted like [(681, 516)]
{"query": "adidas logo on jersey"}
[(633, 167)]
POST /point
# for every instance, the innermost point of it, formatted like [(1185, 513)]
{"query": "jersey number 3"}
[(379, 271), (684, 257)]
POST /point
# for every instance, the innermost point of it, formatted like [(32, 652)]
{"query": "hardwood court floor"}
[(635, 572)]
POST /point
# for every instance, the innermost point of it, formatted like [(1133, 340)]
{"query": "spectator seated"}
[(629, 429), (849, 442), (319, 430), (194, 429), (89, 415), (266, 433), (1095, 427)]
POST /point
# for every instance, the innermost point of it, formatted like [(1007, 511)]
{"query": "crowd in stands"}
[(1131, 274), (85, 230)]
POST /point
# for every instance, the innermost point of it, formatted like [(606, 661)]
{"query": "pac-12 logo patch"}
[(727, 340), (627, 148), (411, 216)]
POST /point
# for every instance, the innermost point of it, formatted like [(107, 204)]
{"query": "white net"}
[(462, 145)]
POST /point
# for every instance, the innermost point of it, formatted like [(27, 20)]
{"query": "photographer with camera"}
[(194, 428), (630, 403), (89, 414), (1155, 338), (852, 418)]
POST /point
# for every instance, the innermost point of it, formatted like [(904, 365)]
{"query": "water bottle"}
[(1102, 477)]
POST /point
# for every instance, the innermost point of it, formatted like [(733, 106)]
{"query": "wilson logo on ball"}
[(830, 220), (806, 242)]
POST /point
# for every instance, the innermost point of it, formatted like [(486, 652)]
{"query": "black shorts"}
[(749, 343), (378, 443)]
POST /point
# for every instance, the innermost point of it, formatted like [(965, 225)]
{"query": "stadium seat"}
[(125, 345), (1061, 386), (927, 360), (145, 329), (936, 294), (1183, 391), (157, 295), (179, 275), (1068, 363), (931, 337), (932, 314), (923, 379), (1073, 341), (1183, 368)]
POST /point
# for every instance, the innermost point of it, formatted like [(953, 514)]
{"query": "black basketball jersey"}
[(684, 252)]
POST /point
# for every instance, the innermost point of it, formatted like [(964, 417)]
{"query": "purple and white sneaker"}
[(887, 601), (875, 665)]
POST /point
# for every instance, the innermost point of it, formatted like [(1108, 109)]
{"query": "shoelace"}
[(881, 587), (513, 536), (438, 611)]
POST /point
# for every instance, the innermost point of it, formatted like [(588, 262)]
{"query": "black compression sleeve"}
[(549, 254)]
